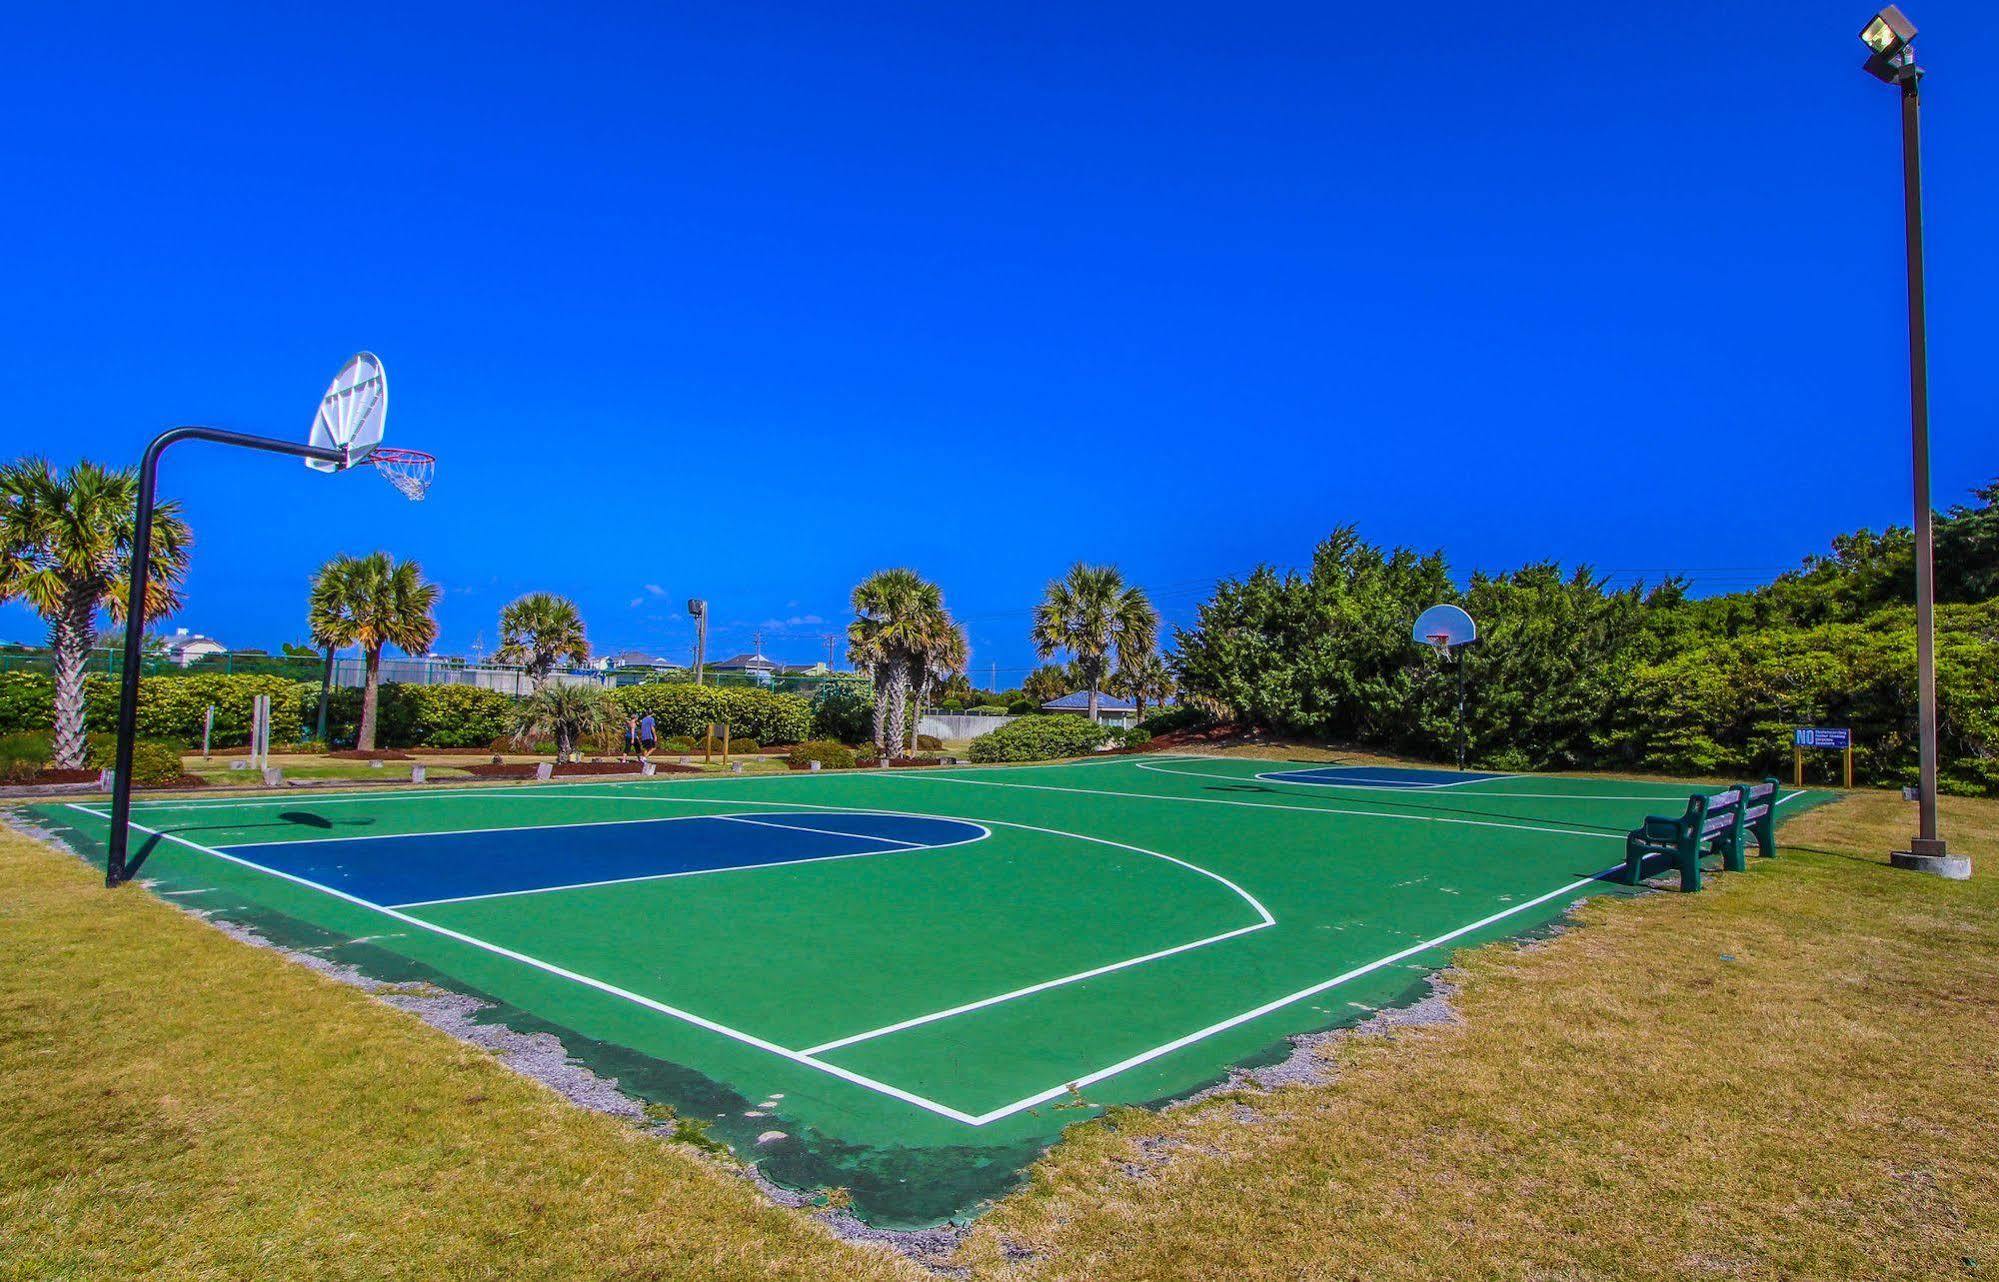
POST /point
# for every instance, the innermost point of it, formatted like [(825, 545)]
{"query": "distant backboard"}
[(1444, 626)]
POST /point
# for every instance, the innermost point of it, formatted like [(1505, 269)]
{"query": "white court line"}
[(1017, 1106), (984, 832), (1042, 987), (559, 790), (1220, 1026), (1277, 776), (1265, 919), (1265, 805), (830, 832), (1246, 897), (1533, 796), (734, 1034)]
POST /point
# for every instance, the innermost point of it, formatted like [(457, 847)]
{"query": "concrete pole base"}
[(1950, 867)]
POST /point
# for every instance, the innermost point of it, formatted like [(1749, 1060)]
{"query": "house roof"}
[(185, 640), (639, 659), (745, 661), (1080, 702)]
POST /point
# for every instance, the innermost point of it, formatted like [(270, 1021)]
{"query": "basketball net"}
[(408, 470)]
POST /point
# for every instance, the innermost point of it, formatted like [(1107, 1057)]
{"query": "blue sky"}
[(746, 301)]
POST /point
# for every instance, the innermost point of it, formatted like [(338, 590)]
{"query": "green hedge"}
[(830, 755), (155, 764), (23, 754), (1171, 719), (408, 715), (1043, 738), (752, 713), (412, 716), (843, 709), (170, 707)]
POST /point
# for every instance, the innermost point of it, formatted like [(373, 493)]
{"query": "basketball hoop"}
[(408, 470), (1440, 641)]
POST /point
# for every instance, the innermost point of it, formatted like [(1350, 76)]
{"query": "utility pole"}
[(831, 640)]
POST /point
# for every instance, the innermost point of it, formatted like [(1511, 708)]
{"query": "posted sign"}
[(1837, 738), (1820, 737)]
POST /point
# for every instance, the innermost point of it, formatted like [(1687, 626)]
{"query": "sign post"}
[(1839, 739)]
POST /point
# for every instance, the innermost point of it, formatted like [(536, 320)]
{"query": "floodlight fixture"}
[(1891, 57), (1888, 32)]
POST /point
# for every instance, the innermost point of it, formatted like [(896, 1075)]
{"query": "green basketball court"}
[(907, 982)]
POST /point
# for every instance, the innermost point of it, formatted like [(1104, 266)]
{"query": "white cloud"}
[(655, 589)]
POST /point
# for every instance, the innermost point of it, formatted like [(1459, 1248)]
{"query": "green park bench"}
[(1719, 823)]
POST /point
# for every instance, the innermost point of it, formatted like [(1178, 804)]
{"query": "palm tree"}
[(372, 601), (1144, 675), (66, 550), (945, 652), (568, 712), (1092, 613), (539, 630), (896, 611)]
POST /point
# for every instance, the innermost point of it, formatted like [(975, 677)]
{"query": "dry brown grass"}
[(177, 1105), (1790, 1076)]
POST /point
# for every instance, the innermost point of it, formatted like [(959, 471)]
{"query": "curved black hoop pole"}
[(115, 870)]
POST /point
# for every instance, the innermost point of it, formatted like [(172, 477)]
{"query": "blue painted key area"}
[(422, 867)]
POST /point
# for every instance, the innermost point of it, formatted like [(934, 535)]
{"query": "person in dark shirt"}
[(648, 731)]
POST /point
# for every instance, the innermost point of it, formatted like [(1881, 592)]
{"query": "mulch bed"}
[(619, 768), (901, 763), (52, 775), (488, 770), (570, 769), (372, 754)]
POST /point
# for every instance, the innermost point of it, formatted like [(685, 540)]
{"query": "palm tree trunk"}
[(898, 708), (69, 642), (1093, 696), (880, 675), (370, 691)]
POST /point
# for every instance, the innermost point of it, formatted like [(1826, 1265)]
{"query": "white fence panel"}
[(958, 726)]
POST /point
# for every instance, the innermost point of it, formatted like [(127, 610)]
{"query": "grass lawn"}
[(1786, 1076)]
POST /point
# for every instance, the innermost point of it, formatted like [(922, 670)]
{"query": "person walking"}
[(648, 736)]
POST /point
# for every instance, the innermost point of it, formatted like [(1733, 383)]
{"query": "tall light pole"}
[(1892, 58), (698, 610)]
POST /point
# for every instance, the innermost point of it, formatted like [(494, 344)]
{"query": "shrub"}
[(170, 707), (1136, 737), (843, 709), (1022, 707), (986, 710), (829, 754), (753, 713), (23, 755), (413, 716), (155, 763), (453, 716), (929, 743), (950, 706), (1042, 738), (744, 746), (1183, 718), (678, 745)]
